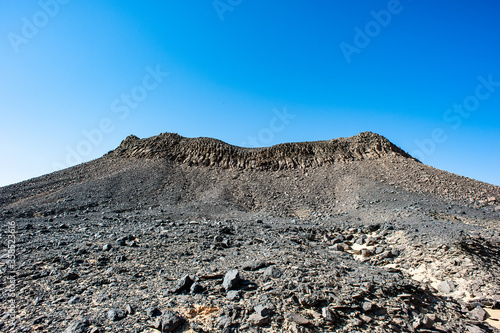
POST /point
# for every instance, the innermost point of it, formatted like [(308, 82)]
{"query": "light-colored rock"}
[(446, 287)]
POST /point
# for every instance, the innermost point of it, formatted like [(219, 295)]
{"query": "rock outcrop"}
[(212, 152)]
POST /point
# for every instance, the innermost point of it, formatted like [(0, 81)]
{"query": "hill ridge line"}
[(212, 152)]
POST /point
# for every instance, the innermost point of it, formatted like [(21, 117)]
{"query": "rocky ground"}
[(379, 243)]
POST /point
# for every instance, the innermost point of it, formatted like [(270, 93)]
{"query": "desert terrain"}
[(171, 234)]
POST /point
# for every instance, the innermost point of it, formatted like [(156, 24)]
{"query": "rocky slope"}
[(344, 235)]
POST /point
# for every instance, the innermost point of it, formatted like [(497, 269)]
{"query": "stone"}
[(226, 243), (233, 295), (184, 284), (258, 320), (365, 253), (153, 311), (196, 288), (340, 247), (446, 287), (232, 280), (429, 320), (478, 313), (195, 327), (272, 272), (75, 300), (169, 322), (71, 276), (309, 301), (365, 318), (77, 326), (360, 241), (367, 306), (224, 321), (120, 258), (253, 265), (122, 241), (107, 247), (356, 322), (116, 314), (80, 251), (475, 329), (328, 314), (102, 261), (298, 319), (132, 243), (38, 319), (129, 309), (264, 310)]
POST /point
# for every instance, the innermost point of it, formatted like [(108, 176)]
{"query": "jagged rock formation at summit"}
[(211, 152)]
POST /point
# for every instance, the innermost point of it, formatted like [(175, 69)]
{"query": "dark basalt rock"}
[(328, 236), (211, 152)]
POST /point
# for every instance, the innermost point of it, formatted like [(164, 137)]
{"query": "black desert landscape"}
[(173, 234)]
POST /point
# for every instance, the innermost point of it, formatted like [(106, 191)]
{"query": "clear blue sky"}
[(79, 76)]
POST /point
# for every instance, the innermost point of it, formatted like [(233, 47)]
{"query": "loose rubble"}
[(123, 245)]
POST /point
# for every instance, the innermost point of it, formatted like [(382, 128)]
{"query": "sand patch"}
[(494, 317)]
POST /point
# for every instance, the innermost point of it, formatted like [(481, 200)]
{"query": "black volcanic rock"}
[(211, 152), (232, 280), (346, 235)]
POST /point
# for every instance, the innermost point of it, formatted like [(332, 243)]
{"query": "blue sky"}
[(79, 76)]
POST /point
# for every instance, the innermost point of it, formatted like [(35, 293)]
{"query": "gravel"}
[(375, 243)]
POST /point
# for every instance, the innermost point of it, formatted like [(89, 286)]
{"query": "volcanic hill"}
[(176, 234)]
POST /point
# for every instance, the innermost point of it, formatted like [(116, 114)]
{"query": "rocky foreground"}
[(158, 243)]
